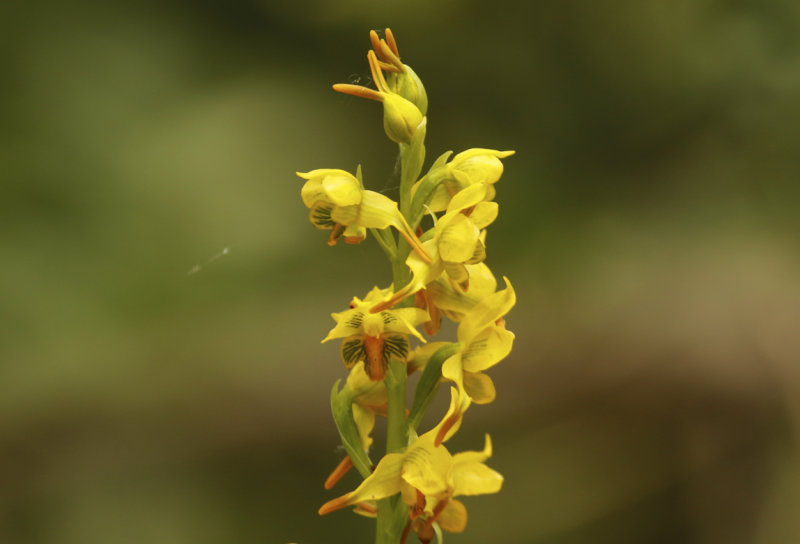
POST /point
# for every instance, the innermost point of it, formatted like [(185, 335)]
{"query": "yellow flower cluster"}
[(439, 272)]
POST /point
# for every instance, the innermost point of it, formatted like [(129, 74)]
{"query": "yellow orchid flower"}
[(428, 478), (374, 337), (368, 399), (470, 167), (484, 342), (441, 297), (338, 202), (401, 117), (456, 241)]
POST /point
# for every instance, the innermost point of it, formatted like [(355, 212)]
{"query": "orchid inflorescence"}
[(438, 272)]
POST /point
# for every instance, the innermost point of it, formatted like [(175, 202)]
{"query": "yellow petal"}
[(471, 476), (475, 456), (457, 240), (476, 479), (376, 294), (479, 252), (451, 369), (408, 493), (383, 482), (312, 192), (466, 198), (365, 422), (454, 517), (484, 214), (487, 348), (426, 467), (348, 323), (486, 312), (321, 173), (404, 320), (400, 118), (481, 165), (490, 193), (346, 215), (378, 211), (479, 387), (480, 168), (342, 190)]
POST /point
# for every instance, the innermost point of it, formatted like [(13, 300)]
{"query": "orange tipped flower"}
[(375, 337), (338, 202), (400, 78), (401, 117), (470, 167), (428, 478)]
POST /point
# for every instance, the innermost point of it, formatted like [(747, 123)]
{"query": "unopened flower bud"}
[(400, 118), (400, 77), (408, 85)]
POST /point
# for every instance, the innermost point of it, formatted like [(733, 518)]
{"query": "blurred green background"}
[(649, 222)]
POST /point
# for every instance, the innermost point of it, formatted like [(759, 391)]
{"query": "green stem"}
[(392, 519), (412, 155), (401, 274), (392, 511), (396, 426)]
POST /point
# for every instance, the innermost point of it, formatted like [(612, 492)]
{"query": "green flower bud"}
[(407, 84)]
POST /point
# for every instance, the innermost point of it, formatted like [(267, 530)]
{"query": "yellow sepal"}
[(487, 348), (454, 517), (471, 476), (383, 482), (479, 387), (486, 312), (426, 467), (457, 240)]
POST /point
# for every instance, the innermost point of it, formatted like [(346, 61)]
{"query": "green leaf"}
[(429, 383), (342, 409), (441, 160), (423, 193)]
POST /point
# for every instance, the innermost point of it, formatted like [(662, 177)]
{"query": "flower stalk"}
[(438, 272)]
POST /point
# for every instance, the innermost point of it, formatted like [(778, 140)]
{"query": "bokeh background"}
[(162, 295)]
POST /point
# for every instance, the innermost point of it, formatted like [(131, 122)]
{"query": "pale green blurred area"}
[(162, 295)]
